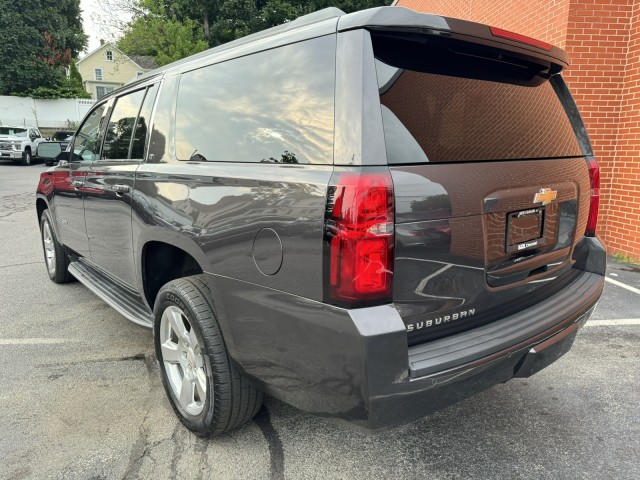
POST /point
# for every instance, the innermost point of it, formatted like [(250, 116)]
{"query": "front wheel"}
[(26, 157), (207, 392), (55, 258)]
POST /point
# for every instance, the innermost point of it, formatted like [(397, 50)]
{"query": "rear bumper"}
[(356, 365), (423, 395)]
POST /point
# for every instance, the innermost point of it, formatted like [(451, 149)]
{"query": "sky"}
[(90, 8)]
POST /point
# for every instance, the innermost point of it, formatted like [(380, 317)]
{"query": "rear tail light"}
[(359, 238), (594, 177), (516, 37)]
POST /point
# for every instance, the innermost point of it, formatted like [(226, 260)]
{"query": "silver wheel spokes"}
[(49, 250), (183, 360)]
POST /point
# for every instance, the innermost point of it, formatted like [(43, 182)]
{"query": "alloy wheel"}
[(183, 360), (49, 248)]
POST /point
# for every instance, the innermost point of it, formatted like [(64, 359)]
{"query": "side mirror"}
[(62, 159)]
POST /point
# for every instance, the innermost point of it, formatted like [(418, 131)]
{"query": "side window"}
[(37, 133), (121, 124), (142, 125), (271, 107), (86, 143)]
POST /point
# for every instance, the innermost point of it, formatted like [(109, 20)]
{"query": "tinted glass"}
[(120, 128), (86, 143), (140, 136), (451, 116), (274, 107)]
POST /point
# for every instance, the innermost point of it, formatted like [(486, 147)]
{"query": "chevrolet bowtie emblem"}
[(545, 196)]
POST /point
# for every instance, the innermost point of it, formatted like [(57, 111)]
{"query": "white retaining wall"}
[(42, 113)]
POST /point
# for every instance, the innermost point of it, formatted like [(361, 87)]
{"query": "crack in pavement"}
[(10, 204), (141, 447), (21, 264), (276, 452)]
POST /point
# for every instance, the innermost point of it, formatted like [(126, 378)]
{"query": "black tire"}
[(48, 164), (58, 268), (231, 399), (26, 157)]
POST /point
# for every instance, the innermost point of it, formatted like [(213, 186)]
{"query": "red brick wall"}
[(602, 38), (623, 223), (542, 19), (597, 43)]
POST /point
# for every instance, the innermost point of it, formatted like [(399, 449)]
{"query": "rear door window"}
[(121, 124), (142, 125)]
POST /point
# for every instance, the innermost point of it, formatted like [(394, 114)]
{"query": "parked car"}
[(19, 143), (49, 151), (62, 136), (369, 216)]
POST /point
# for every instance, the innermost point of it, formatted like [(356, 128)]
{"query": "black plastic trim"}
[(550, 316)]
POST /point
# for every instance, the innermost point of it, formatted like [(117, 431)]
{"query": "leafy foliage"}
[(172, 29), (65, 90), (38, 38), (165, 39)]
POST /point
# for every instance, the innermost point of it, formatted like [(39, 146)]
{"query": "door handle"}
[(77, 183), (120, 188)]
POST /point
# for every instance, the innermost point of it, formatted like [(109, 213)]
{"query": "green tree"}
[(172, 29), (38, 38), (71, 87), (165, 39), (157, 31), (75, 79)]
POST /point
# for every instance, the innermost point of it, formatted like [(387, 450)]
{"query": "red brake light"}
[(594, 177), (359, 238), (498, 32)]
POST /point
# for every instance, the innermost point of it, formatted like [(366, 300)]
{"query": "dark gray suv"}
[(369, 216)]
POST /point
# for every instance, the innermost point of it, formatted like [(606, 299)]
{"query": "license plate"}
[(525, 229)]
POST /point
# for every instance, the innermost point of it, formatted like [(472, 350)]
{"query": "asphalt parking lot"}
[(80, 397)]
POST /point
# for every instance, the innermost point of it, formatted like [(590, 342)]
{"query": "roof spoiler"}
[(402, 19)]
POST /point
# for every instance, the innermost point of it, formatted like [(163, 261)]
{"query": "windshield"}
[(18, 132)]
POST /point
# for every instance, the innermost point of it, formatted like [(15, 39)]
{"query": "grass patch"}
[(622, 258)]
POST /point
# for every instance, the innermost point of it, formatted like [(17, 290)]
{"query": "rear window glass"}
[(447, 118), (270, 107)]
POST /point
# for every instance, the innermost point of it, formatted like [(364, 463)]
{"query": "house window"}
[(102, 90), (109, 56), (98, 74)]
